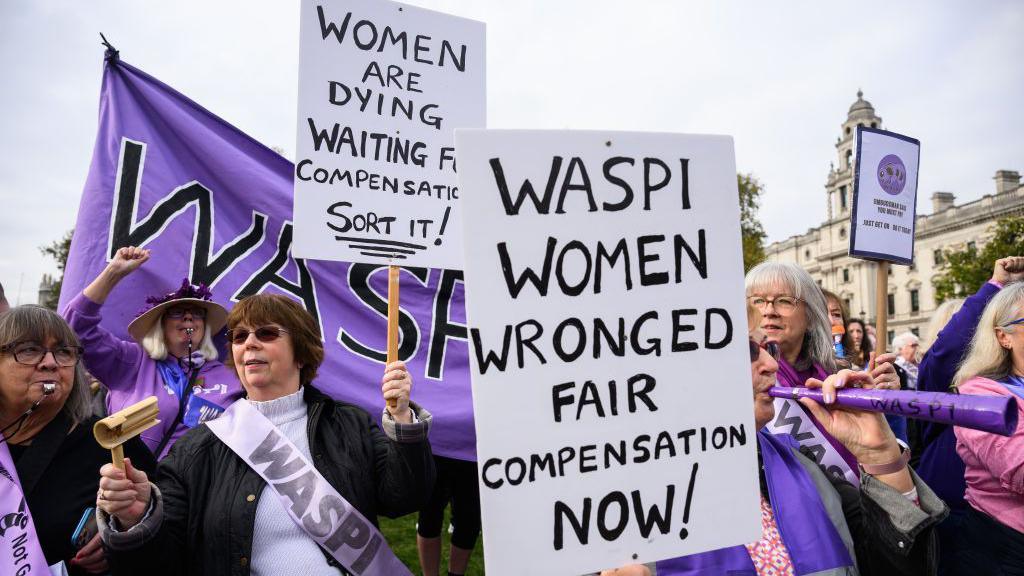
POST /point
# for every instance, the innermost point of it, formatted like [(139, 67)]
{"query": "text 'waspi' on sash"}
[(312, 503)]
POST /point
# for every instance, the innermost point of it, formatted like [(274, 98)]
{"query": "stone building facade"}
[(823, 251)]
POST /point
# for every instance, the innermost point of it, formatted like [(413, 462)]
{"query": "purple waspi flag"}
[(215, 205)]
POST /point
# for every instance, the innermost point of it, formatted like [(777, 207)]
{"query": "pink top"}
[(995, 464), (769, 554)]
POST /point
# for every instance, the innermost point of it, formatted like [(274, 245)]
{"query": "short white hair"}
[(156, 347), (903, 339)]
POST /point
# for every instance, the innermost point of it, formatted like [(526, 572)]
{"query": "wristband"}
[(889, 467)]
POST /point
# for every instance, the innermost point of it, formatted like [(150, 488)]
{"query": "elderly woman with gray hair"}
[(795, 316), (47, 424), (906, 346)]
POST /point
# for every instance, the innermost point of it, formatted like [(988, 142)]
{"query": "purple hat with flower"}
[(188, 293)]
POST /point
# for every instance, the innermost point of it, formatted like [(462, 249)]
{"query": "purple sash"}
[(793, 419), (1015, 384), (19, 545), (810, 537)]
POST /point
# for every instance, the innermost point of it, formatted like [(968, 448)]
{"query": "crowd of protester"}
[(885, 496)]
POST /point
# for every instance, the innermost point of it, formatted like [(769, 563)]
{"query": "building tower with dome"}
[(823, 250)]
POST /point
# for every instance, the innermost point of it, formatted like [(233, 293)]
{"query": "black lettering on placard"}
[(590, 268), (621, 250), (627, 191), (614, 513), (205, 266), (515, 285), (577, 178), (576, 165), (581, 528), (639, 387), (367, 37), (541, 204), (726, 337), (650, 185)]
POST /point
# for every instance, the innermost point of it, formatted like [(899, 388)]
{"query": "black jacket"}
[(210, 495), (60, 473)]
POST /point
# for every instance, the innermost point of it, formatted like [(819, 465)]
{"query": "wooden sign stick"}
[(882, 306), (392, 320)]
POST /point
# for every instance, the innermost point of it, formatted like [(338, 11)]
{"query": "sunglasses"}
[(179, 312), (263, 334), (772, 348)]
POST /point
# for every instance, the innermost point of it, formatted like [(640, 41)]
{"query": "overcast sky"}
[(777, 76)]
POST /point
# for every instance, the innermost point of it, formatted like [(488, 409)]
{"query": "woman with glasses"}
[(814, 524), (992, 532), (794, 315), (172, 356), (211, 510), (46, 425)]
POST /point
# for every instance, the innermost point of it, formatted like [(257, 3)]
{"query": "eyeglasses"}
[(263, 334), (1015, 322), (782, 304), (771, 347), (177, 312), (31, 354)]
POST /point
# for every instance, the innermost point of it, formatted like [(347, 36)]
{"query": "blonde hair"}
[(156, 347), (986, 357), (817, 343), (939, 320)]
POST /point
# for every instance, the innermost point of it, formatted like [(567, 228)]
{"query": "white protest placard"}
[(884, 196), (611, 372), (382, 85)]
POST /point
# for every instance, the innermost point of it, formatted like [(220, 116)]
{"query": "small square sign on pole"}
[(610, 364), (884, 196)]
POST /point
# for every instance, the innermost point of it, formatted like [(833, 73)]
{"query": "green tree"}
[(967, 269), (750, 226), (57, 250)]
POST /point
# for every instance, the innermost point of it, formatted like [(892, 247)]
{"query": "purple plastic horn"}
[(996, 414)]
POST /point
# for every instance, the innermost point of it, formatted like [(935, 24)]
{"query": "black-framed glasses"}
[(177, 312), (32, 353), (263, 334), (771, 347), (782, 304)]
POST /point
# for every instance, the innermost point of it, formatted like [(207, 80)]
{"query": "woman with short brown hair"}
[(212, 509)]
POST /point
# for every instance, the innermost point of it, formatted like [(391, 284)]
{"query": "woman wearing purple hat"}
[(172, 357)]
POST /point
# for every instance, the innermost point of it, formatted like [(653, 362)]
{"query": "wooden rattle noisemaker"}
[(114, 430)]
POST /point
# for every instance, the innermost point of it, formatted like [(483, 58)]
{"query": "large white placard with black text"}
[(884, 196), (611, 373), (382, 85)]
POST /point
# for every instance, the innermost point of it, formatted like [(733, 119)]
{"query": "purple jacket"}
[(940, 466), (130, 375)]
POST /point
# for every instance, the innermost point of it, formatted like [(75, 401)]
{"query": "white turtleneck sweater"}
[(279, 546)]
